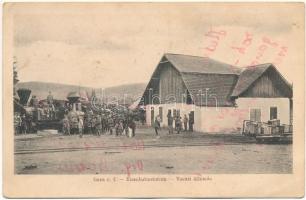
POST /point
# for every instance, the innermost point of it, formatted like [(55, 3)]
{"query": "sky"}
[(109, 44)]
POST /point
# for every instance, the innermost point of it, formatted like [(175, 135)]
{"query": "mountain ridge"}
[(60, 90)]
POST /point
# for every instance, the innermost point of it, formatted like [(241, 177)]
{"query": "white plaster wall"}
[(197, 119), (148, 114), (221, 119), (230, 119), (225, 119), (282, 104)]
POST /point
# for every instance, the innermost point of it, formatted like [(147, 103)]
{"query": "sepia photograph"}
[(155, 92)]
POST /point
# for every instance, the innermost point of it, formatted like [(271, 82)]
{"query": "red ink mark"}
[(248, 39), (243, 46), (214, 39), (222, 113), (237, 62), (80, 167), (210, 161), (137, 166), (281, 54), (240, 50), (213, 128), (266, 43), (269, 42)]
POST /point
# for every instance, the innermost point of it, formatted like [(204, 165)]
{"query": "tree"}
[(15, 74)]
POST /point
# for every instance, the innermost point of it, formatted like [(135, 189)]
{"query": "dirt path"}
[(188, 153)]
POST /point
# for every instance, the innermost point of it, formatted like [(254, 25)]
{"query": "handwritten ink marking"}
[(243, 46), (135, 166), (214, 37), (82, 167)]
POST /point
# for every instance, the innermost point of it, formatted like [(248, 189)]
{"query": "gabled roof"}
[(202, 73), (218, 88), (252, 73), (248, 76), (223, 81), (196, 64)]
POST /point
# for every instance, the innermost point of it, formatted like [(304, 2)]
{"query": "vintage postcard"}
[(153, 99)]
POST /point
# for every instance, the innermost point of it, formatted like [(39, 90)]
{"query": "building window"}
[(255, 115), (273, 113), (161, 113)]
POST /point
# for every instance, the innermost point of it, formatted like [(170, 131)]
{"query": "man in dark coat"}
[(178, 124), (191, 121), (170, 124), (23, 124)]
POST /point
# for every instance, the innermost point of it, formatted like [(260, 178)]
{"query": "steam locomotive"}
[(37, 115)]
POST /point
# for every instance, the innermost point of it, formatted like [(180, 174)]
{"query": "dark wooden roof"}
[(202, 73), (223, 81), (219, 88), (248, 76), (196, 64), (252, 73)]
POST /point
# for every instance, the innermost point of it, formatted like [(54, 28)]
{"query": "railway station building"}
[(218, 96)]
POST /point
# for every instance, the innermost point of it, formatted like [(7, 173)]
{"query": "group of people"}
[(175, 123), (99, 123), (45, 109), (22, 123)]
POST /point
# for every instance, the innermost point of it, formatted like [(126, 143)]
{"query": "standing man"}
[(126, 125), (88, 122), (17, 123), (133, 126), (142, 117), (29, 120), (178, 124), (157, 124), (80, 126), (110, 125), (93, 124), (103, 122), (23, 124), (191, 121), (185, 122), (170, 124), (98, 125), (66, 125)]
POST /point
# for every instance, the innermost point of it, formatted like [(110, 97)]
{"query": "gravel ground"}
[(186, 153)]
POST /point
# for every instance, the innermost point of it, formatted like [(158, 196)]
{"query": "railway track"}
[(118, 147)]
